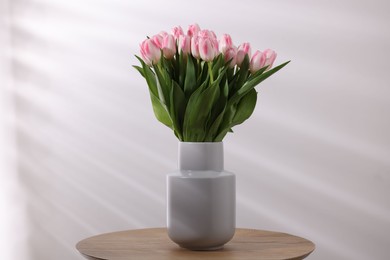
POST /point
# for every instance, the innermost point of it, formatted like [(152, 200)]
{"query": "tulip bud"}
[(177, 32), (207, 34), (225, 43), (150, 52), (195, 47), (210, 35), (169, 46), (269, 57), (184, 44), (214, 36), (157, 39), (257, 62), (230, 54), (193, 30), (242, 50), (163, 33), (207, 49)]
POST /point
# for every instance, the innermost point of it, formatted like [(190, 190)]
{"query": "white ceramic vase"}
[(201, 198)]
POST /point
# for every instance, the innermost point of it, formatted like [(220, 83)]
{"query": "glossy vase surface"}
[(201, 198)]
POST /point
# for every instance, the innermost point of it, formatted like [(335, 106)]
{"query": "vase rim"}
[(200, 142)]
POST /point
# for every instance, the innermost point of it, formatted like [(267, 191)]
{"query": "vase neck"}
[(201, 156)]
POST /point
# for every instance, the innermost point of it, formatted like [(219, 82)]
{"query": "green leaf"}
[(168, 66), (204, 73), (253, 82), (160, 111), (257, 73), (232, 83), (227, 120), (230, 73), (213, 130), (219, 112), (149, 76), (163, 85), (218, 108), (177, 109), (198, 112), (140, 60), (239, 98), (159, 108), (182, 68), (190, 80), (243, 74), (177, 68), (245, 108), (197, 65), (221, 75), (217, 65), (140, 70)]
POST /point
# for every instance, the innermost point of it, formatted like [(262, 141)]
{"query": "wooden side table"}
[(154, 244)]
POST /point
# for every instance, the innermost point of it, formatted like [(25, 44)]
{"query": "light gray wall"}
[(313, 160)]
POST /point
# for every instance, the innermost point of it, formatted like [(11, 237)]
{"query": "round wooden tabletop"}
[(154, 244)]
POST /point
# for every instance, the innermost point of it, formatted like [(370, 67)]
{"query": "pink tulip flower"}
[(150, 52), (184, 44), (157, 39), (242, 50), (207, 49), (168, 46), (193, 30), (230, 54), (225, 43), (163, 33), (177, 32), (195, 47), (214, 35), (257, 62), (210, 35), (269, 57), (206, 34), (208, 45)]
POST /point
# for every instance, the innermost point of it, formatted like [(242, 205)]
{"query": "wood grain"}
[(154, 244)]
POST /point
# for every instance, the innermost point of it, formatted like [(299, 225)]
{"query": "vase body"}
[(201, 198)]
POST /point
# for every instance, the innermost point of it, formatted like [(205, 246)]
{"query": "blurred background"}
[(81, 152)]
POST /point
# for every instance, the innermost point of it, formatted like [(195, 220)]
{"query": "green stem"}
[(211, 73)]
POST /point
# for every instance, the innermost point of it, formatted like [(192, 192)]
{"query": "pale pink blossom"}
[(208, 45), (210, 35), (168, 46), (206, 34), (163, 33), (193, 30), (213, 34), (257, 61), (157, 39), (150, 52), (230, 54), (177, 32), (269, 57), (207, 49), (184, 44), (195, 47), (242, 50), (225, 43)]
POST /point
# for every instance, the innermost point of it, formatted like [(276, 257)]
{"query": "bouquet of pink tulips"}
[(202, 87)]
